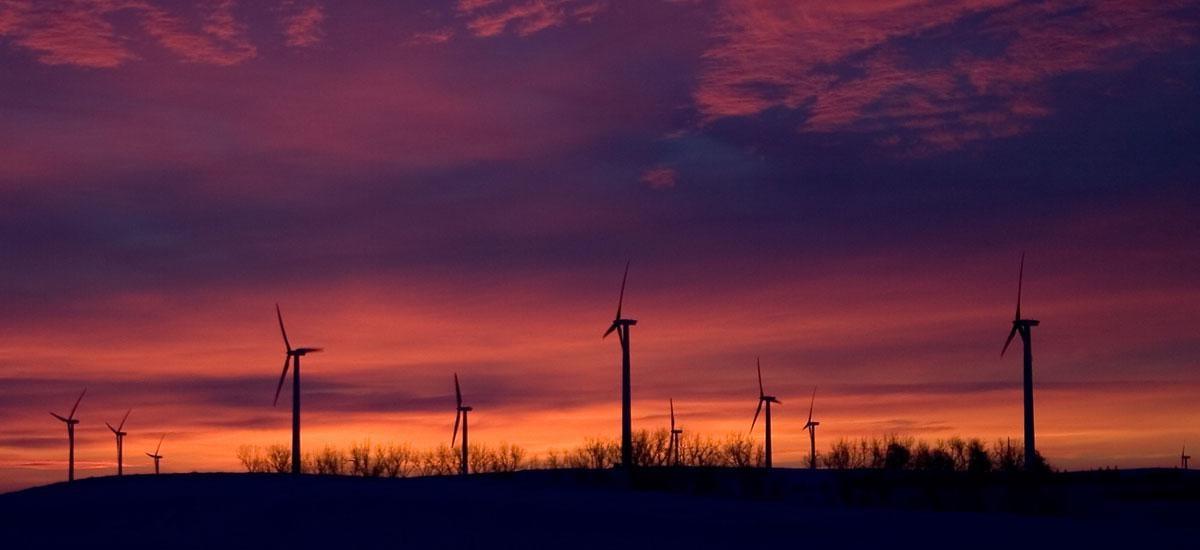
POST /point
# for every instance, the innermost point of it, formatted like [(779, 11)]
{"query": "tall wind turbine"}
[(621, 325), (461, 414), (811, 426), (71, 422), (120, 441), (768, 399), (157, 457), (1024, 328), (294, 356), (673, 448), (1183, 457)]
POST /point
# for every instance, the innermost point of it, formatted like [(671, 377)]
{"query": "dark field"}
[(684, 508)]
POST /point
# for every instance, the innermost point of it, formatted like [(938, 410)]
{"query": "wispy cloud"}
[(945, 74), (486, 18), (660, 177), (302, 23), (82, 32)]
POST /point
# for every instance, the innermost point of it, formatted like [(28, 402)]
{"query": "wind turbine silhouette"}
[(1024, 328), (462, 413), (120, 441), (71, 422), (294, 356), (673, 449), (1183, 457), (621, 325), (157, 457), (768, 399), (812, 432)]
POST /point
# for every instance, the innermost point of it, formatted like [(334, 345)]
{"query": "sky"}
[(843, 189)]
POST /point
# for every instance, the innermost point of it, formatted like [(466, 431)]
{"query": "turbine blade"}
[(457, 391), (756, 411), (454, 437), (58, 417), (114, 430), (282, 377), (282, 330), (1020, 281), (1011, 335), (72, 415), (160, 439), (123, 419), (621, 297), (811, 403), (149, 455), (609, 331), (761, 392), (672, 415)]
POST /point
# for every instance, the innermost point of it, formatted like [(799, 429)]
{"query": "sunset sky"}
[(429, 187)]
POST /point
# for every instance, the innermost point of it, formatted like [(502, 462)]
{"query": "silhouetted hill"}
[(605, 509)]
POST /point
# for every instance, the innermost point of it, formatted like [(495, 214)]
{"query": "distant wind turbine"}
[(768, 399), (1184, 457), (294, 356), (461, 414), (71, 421), (621, 325), (120, 441), (157, 457), (673, 448), (1024, 328), (811, 426)]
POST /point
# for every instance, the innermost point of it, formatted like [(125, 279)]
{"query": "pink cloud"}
[(222, 42), (68, 34), (439, 36), (487, 18), (81, 33), (303, 27), (660, 177), (841, 61)]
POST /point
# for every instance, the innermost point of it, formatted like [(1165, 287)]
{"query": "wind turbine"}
[(673, 449), (157, 457), (462, 413), (812, 432), (294, 356), (1184, 457), (768, 399), (120, 441), (621, 325), (71, 422), (1024, 328)]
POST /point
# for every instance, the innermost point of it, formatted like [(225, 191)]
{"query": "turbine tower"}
[(673, 445), (293, 355), (811, 426), (621, 325), (157, 457), (71, 421), (1024, 328), (462, 413), (768, 399), (120, 442), (1183, 457)]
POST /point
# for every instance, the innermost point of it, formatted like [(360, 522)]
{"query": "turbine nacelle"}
[(71, 421), (304, 351)]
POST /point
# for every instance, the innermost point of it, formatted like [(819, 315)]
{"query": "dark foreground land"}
[(664, 509)]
